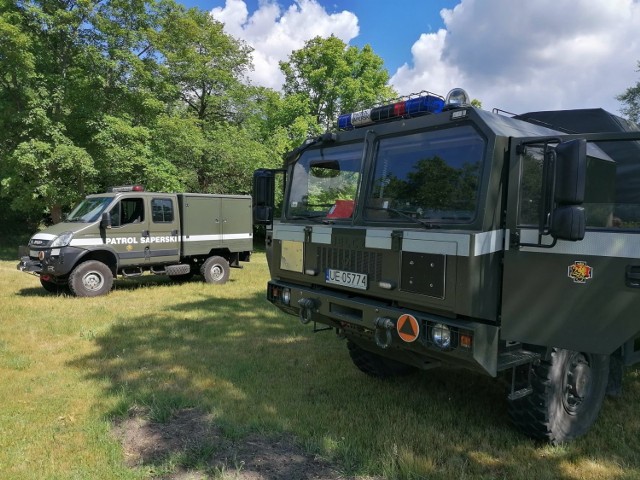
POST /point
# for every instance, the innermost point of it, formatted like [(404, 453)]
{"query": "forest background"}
[(101, 93)]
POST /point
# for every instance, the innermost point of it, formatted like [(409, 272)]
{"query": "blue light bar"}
[(425, 104)]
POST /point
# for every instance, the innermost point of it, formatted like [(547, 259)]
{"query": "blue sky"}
[(515, 55), (388, 26)]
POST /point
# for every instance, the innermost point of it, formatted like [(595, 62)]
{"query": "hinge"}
[(396, 240), (514, 239)]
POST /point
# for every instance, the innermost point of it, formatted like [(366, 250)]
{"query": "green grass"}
[(69, 366)]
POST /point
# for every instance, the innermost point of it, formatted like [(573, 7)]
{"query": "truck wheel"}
[(90, 279), (376, 365), (567, 395), (215, 270), (52, 287)]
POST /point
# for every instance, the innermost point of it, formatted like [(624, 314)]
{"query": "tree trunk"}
[(56, 213)]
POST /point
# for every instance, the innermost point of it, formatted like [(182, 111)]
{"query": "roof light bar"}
[(424, 103), (126, 188)]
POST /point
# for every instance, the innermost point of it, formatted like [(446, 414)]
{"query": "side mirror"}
[(568, 217), (568, 223), (105, 221), (264, 185), (571, 172)]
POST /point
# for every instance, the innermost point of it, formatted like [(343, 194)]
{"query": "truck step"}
[(523, 392), (132, 272), (180, 269), (514, 358)]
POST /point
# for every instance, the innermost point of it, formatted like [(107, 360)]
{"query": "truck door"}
[(163, 241), (236, 222), (582, 295), (129, 230)]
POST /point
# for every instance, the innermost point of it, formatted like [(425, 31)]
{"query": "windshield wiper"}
[(400, 213), (316, 217)]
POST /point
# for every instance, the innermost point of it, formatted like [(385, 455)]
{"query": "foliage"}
[(335, 77), (631, 99), (95, 93)]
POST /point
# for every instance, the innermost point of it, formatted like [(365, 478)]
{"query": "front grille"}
[(357, 261)]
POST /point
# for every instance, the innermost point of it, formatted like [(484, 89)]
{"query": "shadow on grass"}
[(255, 370), (119, 284)]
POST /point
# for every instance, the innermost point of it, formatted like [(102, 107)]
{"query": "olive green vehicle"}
[(430, 233), (129, 232)]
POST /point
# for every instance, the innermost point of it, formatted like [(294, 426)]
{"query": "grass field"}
[(70, 367)]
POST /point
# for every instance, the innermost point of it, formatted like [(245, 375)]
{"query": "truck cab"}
[(428, 232)]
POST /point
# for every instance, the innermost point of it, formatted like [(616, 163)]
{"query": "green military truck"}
[(128, 232), (428, 232)]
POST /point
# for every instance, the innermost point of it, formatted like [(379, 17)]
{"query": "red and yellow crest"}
[(580, 272)]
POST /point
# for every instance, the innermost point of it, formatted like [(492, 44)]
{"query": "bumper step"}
[(518, 357)]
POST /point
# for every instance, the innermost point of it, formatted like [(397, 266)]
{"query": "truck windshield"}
[(324, 182), (427, 176), (89, 209)]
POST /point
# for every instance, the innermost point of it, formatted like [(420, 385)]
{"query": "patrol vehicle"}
[(128, 232), (427, 232)]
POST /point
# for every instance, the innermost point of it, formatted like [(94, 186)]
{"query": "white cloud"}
[(274, 33), (522, 56)]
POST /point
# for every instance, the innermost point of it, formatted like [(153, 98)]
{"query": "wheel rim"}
[(577, 383), (92, 281), (217, 272)]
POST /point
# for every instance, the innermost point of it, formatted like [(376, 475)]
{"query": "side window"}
[(530, 187), (162, 210), (127, 210), (609, 203)]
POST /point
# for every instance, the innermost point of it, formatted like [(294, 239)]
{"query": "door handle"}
[(632, 276), (145, 233)]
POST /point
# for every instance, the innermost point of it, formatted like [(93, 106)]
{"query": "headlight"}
[(441, 335), (286, 296), (62, 240)]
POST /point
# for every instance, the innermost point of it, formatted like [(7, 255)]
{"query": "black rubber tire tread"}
[(52, 287), (542, 415), (75, 279), (375, 365), (209, 264)]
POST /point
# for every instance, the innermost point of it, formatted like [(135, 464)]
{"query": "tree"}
[(631, 98), (335, 78), (202, 62)]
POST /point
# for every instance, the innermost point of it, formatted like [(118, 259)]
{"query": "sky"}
[(515, 55)]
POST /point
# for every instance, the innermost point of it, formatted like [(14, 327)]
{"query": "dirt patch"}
[(192, 443)]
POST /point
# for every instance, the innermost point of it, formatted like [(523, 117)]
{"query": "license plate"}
[(346, 279), (33, 253)]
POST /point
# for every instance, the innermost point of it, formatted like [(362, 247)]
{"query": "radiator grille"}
[(357, 261)]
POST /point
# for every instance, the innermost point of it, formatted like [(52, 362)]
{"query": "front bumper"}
[(356, 316), (56, 262), (28, 265)]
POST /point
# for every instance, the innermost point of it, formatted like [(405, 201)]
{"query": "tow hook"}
[(307, 306), (383, 325)]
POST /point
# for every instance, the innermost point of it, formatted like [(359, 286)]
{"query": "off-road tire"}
[(215, 270), (375, 365), (567, 395), (52, 287), (91, 279)]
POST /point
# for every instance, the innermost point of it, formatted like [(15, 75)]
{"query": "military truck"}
[(431, 233), (128, 232)]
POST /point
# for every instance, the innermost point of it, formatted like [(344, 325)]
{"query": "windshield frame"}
[(96, 205), (388, 213), (340, 206)]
